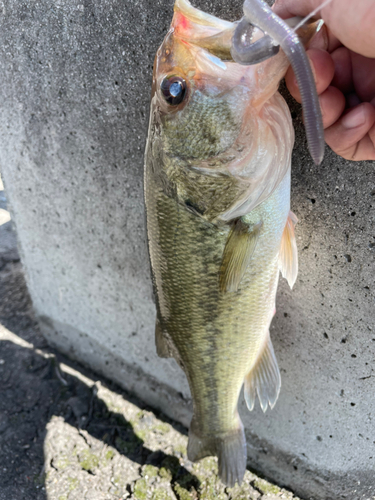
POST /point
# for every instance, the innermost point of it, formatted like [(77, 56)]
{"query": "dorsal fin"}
[(288, 256), (237, 254)]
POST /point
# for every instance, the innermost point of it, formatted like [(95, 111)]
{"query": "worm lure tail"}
[(277, 32)]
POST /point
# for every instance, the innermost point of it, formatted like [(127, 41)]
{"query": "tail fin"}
[(230, 450)]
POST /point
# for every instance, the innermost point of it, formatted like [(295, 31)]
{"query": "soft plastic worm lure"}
[(244, 51), (278, 32)]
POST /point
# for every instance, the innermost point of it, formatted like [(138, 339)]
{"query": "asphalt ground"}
[(67, 433)]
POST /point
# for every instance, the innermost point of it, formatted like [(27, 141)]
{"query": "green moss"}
[(109, 455), (160, 494), (111, 407), (206, 467), (116, 480), (212, 488), (140, 489), (182, 493), (149, 471), (139, 415), (165, 473), (162, 428), (62, 463), (141, 434), (243, 492), (88, 460), (63, 497), (73, 483), (266, 487), (209, 492), (209, 464), (180, 448)]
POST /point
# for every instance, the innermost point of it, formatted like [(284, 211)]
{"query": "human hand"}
[(343, 61)]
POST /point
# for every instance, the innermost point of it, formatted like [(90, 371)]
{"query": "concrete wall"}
[(75, 82)]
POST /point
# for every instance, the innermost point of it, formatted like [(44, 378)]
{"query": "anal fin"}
[(288, 256), (263, 379), (237, 254)]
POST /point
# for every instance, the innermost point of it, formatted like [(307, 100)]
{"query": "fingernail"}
[(320, 39), (355, 118)]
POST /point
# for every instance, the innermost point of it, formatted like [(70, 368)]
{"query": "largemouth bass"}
[(217, 193)]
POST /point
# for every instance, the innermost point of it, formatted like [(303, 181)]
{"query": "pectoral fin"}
[(263, 379), (238, 251), (288, 257)]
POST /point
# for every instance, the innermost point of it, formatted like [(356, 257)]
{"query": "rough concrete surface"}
[(75, 86), (68, 434)]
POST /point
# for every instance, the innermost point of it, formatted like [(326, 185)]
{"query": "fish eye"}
[(173, 89)]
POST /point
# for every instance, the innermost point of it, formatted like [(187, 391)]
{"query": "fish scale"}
[(219, 226), (208, 327), (220, 129)]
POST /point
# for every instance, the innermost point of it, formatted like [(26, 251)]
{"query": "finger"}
[(365, 149), (351, 22), (352, 136), (363, 70), (325, 40), (354, 74), (332, 104), (323, 69), (288, 8), (352, 100), (343, 78)]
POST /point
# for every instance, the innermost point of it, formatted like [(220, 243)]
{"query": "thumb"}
[(351, 22)]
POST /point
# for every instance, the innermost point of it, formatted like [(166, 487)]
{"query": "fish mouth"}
[(197, 48), (203, 30)]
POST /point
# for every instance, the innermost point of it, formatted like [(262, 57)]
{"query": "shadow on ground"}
[(59, 423), (67, 434), (39, 386)]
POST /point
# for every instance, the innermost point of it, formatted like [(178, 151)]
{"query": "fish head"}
[(218, 117), (199, 97)]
